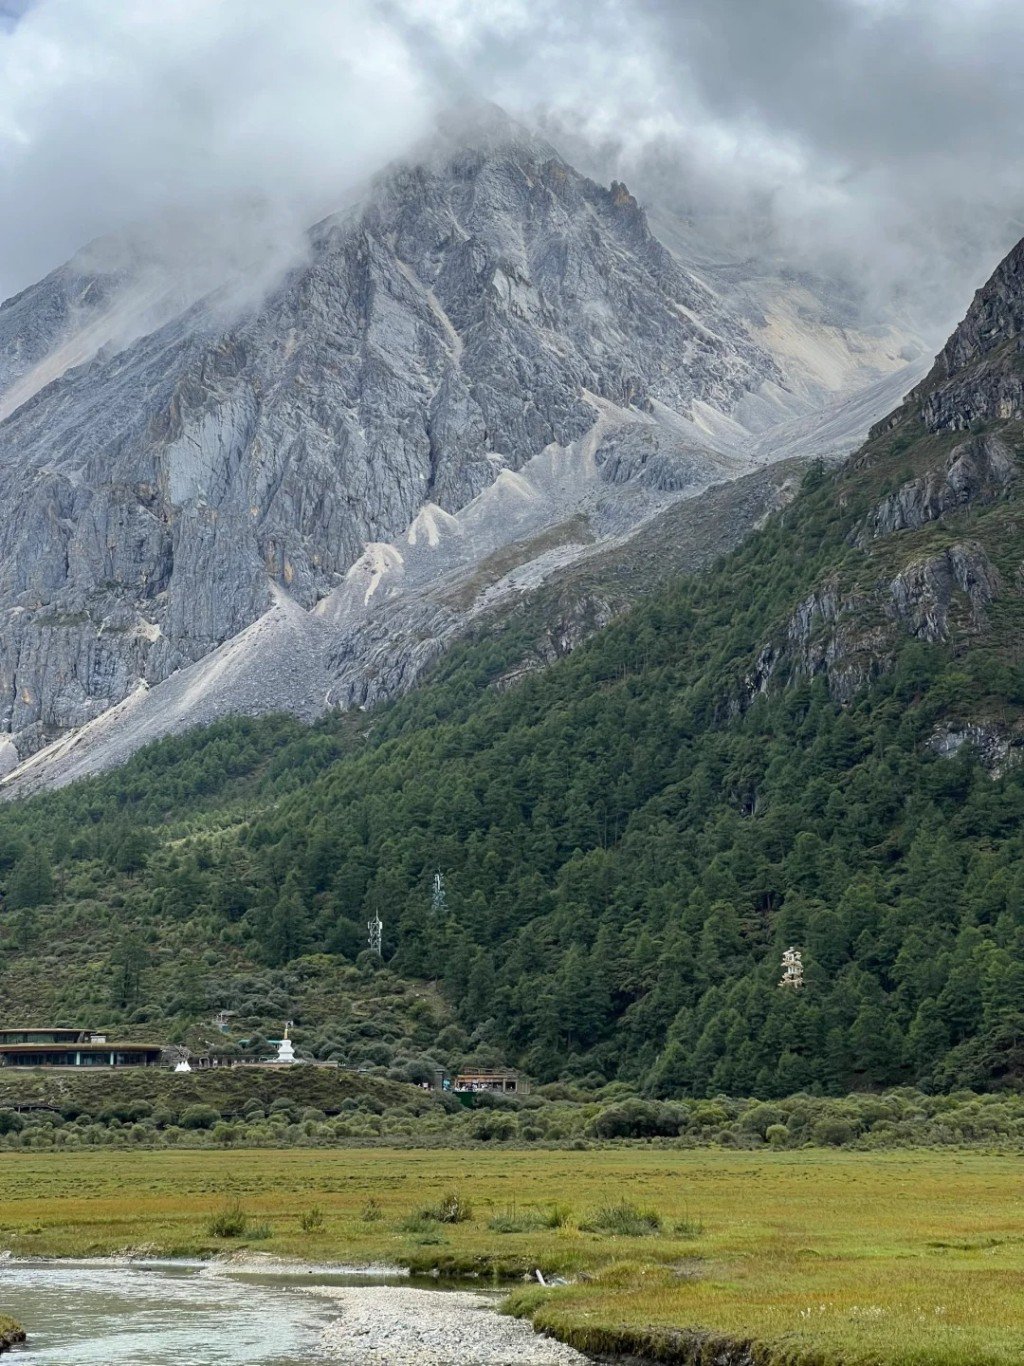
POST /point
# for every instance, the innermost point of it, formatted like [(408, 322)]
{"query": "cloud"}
[(11, 11), (114, 112), (873, 138), (877, 139)]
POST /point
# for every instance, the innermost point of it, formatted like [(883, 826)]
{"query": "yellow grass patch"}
[(896, 1258)]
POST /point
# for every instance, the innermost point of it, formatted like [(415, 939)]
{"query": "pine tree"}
[(32, 879), (129, 961)]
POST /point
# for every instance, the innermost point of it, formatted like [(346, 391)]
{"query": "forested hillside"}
[(814, 743)]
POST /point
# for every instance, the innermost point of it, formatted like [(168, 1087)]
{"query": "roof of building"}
[(82, 1047)]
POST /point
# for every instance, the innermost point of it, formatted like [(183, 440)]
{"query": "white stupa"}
[(183, 1066), (285, 1051), (792, 969)]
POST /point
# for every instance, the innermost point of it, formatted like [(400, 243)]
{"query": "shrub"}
[(834, 1132), (312, 1219), (760, 1118), (558, 1216), (452, 1208), (230, 1222), (494, 1128), (636, 1119), (199, 1117), (122, 1111), (514, 1220), (624, 1219)]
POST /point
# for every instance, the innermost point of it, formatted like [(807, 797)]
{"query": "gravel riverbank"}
[(400, 1326)]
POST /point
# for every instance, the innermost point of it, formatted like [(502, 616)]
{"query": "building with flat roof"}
[(503, 1083), (54, 1046)]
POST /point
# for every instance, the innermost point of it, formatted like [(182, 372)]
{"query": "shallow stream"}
[(159, 1313)]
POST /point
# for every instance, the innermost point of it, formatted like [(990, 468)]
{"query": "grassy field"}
[(815, 1256)]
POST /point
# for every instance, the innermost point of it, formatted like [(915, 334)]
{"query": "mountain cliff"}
[(487, 346), (815, 741)]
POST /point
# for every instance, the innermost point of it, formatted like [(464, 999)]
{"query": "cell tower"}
[(376, 928), (437, 897), (792, 969)]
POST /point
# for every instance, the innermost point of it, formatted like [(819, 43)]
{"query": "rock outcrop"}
[(997, 748), (923, 593), (979, 374), (923, 571), (978, 472)]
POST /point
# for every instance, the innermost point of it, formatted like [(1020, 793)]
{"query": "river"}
[(216, 1314), (156, 1313)]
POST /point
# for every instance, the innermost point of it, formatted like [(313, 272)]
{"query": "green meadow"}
[(799, 1257)]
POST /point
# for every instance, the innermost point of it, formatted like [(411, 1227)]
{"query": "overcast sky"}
[(882, 135)]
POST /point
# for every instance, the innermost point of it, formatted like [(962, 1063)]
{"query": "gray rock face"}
[(447, 330), (978, 472), (485, 370), (848, 636), (642, 455), (33, 323), (997, 750), (923, 593), (830, 633), (978, 375)]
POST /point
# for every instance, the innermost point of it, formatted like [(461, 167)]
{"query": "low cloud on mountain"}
[(874, 138)]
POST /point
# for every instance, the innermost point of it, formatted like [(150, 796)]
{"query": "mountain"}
[(814, 741), (296, 496)]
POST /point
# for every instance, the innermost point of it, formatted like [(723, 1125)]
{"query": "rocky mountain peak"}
[(481, 126), (486, 345), (978, 375), (995, 317)]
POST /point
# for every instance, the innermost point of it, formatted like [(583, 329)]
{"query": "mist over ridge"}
[(865, 140)]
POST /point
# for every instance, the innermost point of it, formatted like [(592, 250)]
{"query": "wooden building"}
[(58, 1047), (503, 1083)]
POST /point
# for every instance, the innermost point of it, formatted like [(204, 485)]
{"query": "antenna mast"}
[(376, 928)]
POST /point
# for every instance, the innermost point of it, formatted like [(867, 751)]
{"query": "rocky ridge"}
[(936, 553), (979, 373), (486, 348)]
